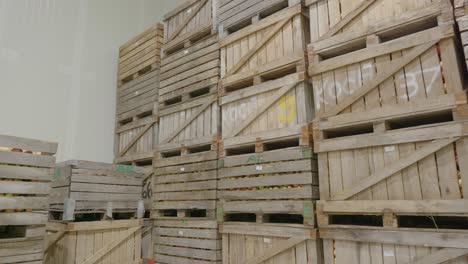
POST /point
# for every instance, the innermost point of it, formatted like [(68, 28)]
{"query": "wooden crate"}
[(190, 73), (266, 180), (414, 77), (190, 124), (236, 14), (186, 240), (84, 187), (415, 246), (461, 14), (428, 162), (188, 23), (270, 243), (186, 184), (141, 54), (94, 242), (346, 20), (137, 124), (273, 46), (26, 169), (271, 110)]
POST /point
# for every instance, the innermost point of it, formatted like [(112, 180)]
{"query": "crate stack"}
[(95, 213), (390, 131), (26, 169), (137, 119), (137, 97), (461, 15), (185, 165), (84, 190), (268, 173)]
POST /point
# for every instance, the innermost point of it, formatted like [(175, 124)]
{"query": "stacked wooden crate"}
[(268, 173), (185, 165), (137, 97), (94, 242), (26, 168), (83, 190), (461, 14), (390, 132)]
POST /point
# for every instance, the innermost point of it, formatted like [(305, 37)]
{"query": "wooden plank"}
[(441, 256), (28, 144), (187, 20)]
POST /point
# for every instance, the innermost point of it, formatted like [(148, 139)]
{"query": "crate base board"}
[(356, 245), (256, 243), (22, 250)]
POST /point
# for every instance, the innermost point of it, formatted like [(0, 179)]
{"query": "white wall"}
[(58, 67)]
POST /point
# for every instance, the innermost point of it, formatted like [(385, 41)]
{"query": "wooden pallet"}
[(26, 169), (189, 124), (187, 24), (185, 185), (94, 242), (190, 73), (270, 243), (186, 240), (428, 162), (234, 15), (273, 109), (413, 78), (413, 246), (141, 54), (270, 47), (82, 187), (435, 214), (267, 181)]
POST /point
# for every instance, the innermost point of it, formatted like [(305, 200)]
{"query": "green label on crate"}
[(220, 163), (255, 159), (124, 168), (307, 153), (220, 214), (57, 173), (308, 209)]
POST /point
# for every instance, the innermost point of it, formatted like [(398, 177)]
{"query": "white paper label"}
[(259, 167), (389, 148), (189, 11), (181, 233), (182, 169), (388, 253), (267, 240), (185, 51)]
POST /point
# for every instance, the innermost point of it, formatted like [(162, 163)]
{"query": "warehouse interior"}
[(234, 131)]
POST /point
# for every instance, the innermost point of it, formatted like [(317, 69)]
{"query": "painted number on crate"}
[(147, 190), (407, 81), (288, 105)]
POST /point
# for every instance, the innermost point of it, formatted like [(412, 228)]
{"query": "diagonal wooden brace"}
[(281, 247), (187, 20), (281, 92), (136, 138), (393, 168)]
